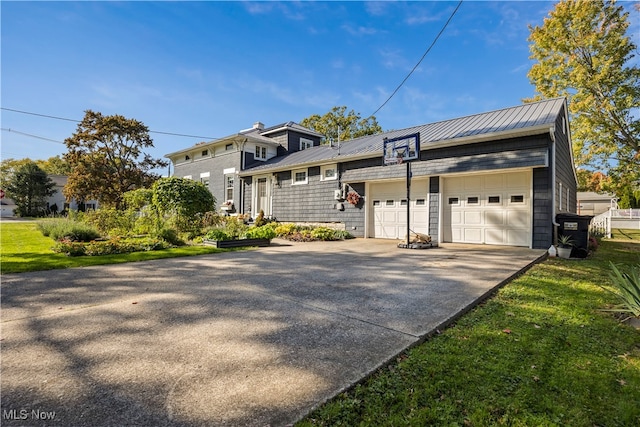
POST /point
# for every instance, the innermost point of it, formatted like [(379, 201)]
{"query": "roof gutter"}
[(552, 134)]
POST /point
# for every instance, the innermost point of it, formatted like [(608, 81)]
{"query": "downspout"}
[(552, 134)]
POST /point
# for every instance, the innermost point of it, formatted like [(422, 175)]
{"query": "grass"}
[(23, 248), (541, 352)]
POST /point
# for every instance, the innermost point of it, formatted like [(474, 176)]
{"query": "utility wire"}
[(420, 61), (78, 121), (32, 136)]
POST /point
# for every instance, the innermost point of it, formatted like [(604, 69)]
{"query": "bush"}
[(109, 247), (263, 232), (217, 234), (66, 229), (323, 233), (283, 230), (112, 222), (170, 236)]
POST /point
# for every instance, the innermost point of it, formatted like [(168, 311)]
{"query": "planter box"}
[(222, 244)]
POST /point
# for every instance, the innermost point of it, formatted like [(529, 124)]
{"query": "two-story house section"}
[(217, 163)]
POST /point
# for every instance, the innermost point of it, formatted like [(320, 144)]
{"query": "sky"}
[(210, 69)]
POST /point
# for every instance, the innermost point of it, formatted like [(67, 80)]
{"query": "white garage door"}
[(491, 209), (388, 204)]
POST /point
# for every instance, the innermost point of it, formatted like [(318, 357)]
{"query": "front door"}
[(262, 199)]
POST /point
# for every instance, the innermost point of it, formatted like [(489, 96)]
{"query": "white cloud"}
[(359, 30)]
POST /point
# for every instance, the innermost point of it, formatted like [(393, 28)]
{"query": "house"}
[(217, 163), (56, 203), (592, 203), (498, 177)]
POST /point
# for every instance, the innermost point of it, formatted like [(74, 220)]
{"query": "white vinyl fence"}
[(615, 218)]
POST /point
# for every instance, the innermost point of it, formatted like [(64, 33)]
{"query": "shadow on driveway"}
[(240, 338)]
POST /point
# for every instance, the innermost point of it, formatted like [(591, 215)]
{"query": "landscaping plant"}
[(627, 289)]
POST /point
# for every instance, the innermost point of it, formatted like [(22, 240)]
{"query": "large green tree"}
[(340, 125), (107, 159), (582, 51), (29, 187)]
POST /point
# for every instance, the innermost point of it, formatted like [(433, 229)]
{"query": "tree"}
[(182, 198), (107, 160), (336, 126), (55, 165), (591, 181), (29, 187), (582, 51)]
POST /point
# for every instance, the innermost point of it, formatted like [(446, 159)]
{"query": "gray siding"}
[(215, 167), (565, 174), (511, 153), (314, 202), (542, 209)]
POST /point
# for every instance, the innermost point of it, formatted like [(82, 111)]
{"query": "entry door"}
[(262, 198)]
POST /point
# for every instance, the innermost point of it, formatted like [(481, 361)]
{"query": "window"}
[(187, 157), (261, 152), (300, 177), (205, 153), (205, 181), (494, 200), (420, 202), (328, 173), (389, 203), (403, 202), (518, 198), (305, 143), (376, 203), (473, 200), (229, 187), (454, 201), (228, 147)]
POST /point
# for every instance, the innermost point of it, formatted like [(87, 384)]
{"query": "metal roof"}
[(532, 118)]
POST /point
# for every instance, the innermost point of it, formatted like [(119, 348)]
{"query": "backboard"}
[(402, 149)]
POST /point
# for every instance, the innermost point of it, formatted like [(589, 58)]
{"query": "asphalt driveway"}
[(253, 338)]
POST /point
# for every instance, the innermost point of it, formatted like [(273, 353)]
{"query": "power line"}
[(420, 61), (31, 135), (78, 121)]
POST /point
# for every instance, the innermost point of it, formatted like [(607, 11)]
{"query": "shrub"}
[(66, 229), (283, 230), (69, 248), (343, 235), (627, 286), (235, 227), (112, 222), (322, 233), (217, 234), (109, 247), (263, 232), (169, 235)]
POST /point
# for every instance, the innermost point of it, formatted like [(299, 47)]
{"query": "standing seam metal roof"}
[(493, 123)]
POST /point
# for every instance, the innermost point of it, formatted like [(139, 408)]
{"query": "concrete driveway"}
[(253, 338)]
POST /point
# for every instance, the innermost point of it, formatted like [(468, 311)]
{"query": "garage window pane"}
[(420, 202), (403, 203), (494, 199), (517, 199), (473, 200), (376, 203), (389, 202), (454, 200)]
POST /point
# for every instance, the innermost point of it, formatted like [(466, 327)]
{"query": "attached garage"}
[(388, 207), (492, 209)]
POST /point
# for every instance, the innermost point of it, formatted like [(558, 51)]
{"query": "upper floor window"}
[(205, 153), (228, 147), (305, 143), (187, 157), (261, 152)]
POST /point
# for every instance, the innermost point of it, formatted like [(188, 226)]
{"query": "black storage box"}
[(576, 227)]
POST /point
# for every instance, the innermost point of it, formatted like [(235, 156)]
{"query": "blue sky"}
[(211, 69)]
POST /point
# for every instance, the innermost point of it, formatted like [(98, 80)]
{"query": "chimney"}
[(258, 125)]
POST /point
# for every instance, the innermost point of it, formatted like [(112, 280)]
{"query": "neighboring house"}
[(591, 203), (57, 199), (8, 206), (492, 178), (217, 163)]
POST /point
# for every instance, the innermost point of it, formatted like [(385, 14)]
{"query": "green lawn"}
[(541, 352), (23, 248)]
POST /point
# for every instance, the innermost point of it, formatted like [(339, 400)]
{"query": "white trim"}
[(296, 171), (205, 174), (228, 171), (188, 177), (325, 168), (305, 143)]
